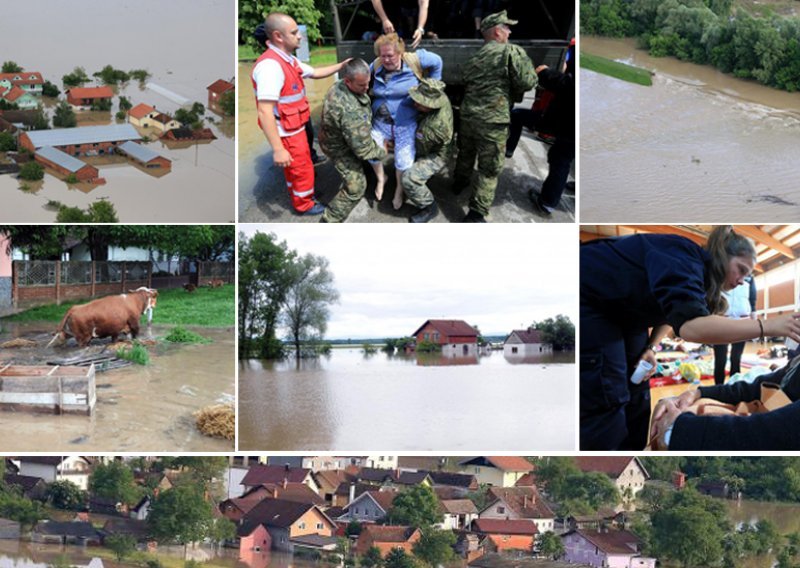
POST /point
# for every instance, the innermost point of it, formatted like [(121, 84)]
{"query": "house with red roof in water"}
[(500, 471), (605, 549), (215, 92), (454, 337), (526, 342), (87, 96), (23, 88)]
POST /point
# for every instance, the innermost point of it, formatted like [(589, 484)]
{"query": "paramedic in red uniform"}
[(283, 108)]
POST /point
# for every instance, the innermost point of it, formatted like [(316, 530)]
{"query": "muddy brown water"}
[(139, 408), (698, 145), (183, 58)]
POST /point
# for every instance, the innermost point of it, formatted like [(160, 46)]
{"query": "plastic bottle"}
[(642, 369)]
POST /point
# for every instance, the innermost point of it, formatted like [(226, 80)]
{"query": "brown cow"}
[(107, 317)]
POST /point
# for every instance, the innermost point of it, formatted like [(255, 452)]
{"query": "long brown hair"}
[(723, 244)]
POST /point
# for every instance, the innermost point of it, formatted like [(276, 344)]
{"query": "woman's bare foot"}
[(379, 188), (397, 202)]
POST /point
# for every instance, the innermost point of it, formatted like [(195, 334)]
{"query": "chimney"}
[(352, 492)]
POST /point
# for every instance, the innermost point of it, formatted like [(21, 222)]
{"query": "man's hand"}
[(282, 158), (541, 68), (388, 26), (418, 33)]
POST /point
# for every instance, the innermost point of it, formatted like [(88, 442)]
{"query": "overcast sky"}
[(393, 277)]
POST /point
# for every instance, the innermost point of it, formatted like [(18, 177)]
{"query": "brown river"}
[(351, 401), (698, 145), (185, 45), (139, 408)]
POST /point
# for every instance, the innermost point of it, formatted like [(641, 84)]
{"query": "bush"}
[(120, 115), (101, 104), (140, 75), (428, 346), (32, 171), (111, 76), (50, 90), (77, 77), (7, 142), (183, 335), (71, 178), (64, 116), (137, 354)]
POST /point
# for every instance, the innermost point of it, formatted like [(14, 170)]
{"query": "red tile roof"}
[(613, 541), (13, 94), (388, 533), (140, 111), (612, 465), (529, 335), (262, 474), (220, 86), (457, 506), (526, 480), (25, 78), (91, 92), (510, 463), (450, 327), (524, 501), (502, 526)]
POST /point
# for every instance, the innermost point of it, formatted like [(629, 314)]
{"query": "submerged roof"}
[(60, 158), (141, 153), (82, 135)]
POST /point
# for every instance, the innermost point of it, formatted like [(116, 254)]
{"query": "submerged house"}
[(526, 342), (65, 164), (27, 81), (82, 140), (143, 155), (215, 92), (87, 96), (13, 94), (454, 337)]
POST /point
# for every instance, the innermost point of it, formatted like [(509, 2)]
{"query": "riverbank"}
[(616, 69)]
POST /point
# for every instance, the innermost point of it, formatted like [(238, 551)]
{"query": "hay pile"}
[(217, 421), (18, 342)]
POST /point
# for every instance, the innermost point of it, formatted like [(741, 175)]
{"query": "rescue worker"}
[(433, 143), (345, 137), (648, 281), (494, 78), (283, 108)]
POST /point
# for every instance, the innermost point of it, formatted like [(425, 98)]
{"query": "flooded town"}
[(112, 113), (478, 511)]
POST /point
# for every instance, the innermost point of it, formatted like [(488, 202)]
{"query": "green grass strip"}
[(183, 335), (616, 69), (208, 307), (136, 354)]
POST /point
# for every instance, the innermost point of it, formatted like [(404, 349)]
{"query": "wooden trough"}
[(48, 388)]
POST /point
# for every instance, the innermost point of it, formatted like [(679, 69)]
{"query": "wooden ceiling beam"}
[(761, 236)]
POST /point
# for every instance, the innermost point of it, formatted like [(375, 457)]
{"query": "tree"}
[(559, 331), (353, 528), (11, 67), (115, 481), (653, 497), (121, 545), (397, 558), (372, 558), (251, 14), (201, 471), (50, 90), (40, 121), (102, 211), (181, 515), (551, 545), (435, 546), (222, 529), (31, 171), (309, 294), (111, 76), (71, 215), (66, 495), (227, 103), (77, 77), (7, 142), (415, 507), (125, 103), (18, 508), (64, 116)]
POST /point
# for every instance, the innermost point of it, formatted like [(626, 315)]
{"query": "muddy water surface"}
[(696, 146), (139, 408), (350, 401), (785, 517), (185, 45)]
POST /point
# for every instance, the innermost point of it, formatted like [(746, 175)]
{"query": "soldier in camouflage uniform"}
[(433, 143), (495, 77), (345, 137)]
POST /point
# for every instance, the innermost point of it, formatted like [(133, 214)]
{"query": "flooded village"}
[(478, 511), (149, 130)]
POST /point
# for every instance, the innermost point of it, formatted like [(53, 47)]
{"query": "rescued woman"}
[(655, 282)]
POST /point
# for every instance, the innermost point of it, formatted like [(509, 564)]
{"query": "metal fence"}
[(43, 272), (219, 270)]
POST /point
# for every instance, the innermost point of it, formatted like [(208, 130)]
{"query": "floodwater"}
[(785, 517), (350, 401), (139, 408), (183, 58), (698, 145)]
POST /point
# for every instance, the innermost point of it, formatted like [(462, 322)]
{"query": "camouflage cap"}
[(496, 19), (429, 93)]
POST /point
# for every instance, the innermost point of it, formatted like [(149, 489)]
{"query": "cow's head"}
[(151, 297)]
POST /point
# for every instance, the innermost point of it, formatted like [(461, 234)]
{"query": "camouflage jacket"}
[(495, 78), (346, 124), (435, 132)]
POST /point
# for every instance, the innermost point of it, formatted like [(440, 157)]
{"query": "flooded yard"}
[(698, 145), (352, 401), (200, 185), (139, 408)]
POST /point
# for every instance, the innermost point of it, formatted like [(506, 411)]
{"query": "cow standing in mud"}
[(107, 317)]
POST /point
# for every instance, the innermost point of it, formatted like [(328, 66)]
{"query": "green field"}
[(320, 55), (615, 69), (209, 307)]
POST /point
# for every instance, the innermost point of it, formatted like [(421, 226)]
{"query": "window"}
[(427, 336), (301, 526), (501, 510), (513, 349), (320, 526)]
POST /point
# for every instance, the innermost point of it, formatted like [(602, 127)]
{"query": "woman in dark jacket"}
[(632, 284)]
